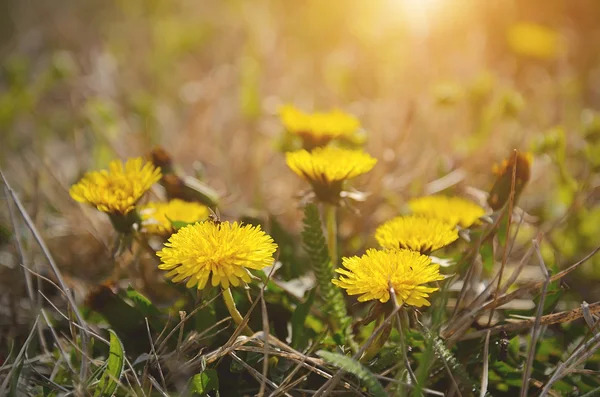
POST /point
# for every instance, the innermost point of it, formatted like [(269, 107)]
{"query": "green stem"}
[(331, 223), (233, 311)]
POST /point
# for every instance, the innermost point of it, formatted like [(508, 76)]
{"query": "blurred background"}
[(444, 89)]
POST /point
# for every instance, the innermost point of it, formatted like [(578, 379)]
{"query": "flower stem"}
[(233, 311), (331, 223)]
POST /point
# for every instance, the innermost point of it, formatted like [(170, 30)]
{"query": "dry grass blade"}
[(397, 308), (511, 203), (484, 375), (157, 386), (536, 325), (19, 357), (399, 382), (181, 323), (589, 318), (265, 325), (257, 375), (454, 333), (33, 298), (153, 352), (502, 299), (555, 318), (57, 341), (55, 270), (331, 383), (300, 364), (581, 353)]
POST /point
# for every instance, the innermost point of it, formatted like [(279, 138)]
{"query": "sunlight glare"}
[(417, 13)]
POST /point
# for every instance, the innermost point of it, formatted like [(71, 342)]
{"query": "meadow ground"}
[(437, 159)]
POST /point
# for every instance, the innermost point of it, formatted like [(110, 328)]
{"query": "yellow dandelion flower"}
[(417, 233), (534, 40), (372, 274), (224, 250), (118, 189), (454, 210), (158, 217), (326, 169), (318, 129)]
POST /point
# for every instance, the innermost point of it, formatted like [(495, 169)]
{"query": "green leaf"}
[(180, 224), (487, 257), (355, 368), (141, 302), (204, 382), (114, 367), (299, 334), (14, 382)]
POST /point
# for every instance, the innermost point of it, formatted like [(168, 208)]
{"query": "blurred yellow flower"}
[(327, 168), (417, 233), (372, 274), (318, 129), (158, 217), (224, 250), (453, 210), (118, 189), (501, 190), (533, 40)]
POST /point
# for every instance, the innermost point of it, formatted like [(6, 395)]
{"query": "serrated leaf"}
[(355, 368), (316, 247), (299, 337), (456, 368), (114, 367), (204, 382)]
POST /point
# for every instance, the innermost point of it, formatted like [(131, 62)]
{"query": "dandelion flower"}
[(416, 233), (326, 169), (318, 129), (454, 210), (116, 190), (222, 251), (534, 40), (158, 217), (372, 274)]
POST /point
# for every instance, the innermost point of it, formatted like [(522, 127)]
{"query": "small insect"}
[(214, 217), (504, 342)]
